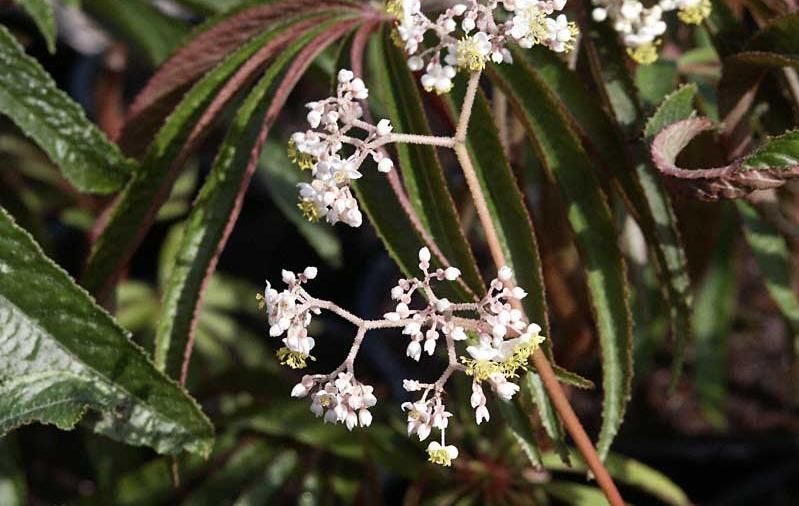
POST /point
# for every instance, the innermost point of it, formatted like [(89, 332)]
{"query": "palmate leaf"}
[(41, 11), (770, 166), (137, 206), (219, 202), (560, 150), (56, 123), (421, 170), (60, 355)]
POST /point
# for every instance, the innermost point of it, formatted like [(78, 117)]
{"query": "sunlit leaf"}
[(62, 355), (56, 123)]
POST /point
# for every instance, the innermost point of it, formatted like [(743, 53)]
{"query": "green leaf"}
[(208, 224), (677, 106), (716, 302), (560, 150), (672, 263), (56, 123), (774, 261), (575, 494), (627, 471), (422, 173), (42, 13), (140, 199), (282, 177), (60, 355), (638, 184), (152, 32), (521, 430)]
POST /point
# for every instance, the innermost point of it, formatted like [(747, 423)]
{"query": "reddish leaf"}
[(769, 167), (292, 76), (200, 55)]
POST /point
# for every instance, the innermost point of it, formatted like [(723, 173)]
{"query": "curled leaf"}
[(774, 163)]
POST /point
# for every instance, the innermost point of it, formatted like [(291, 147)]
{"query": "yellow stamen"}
[(293, 359), (440, 457), (468, 57), (696, 13), (309, 210), (261, 302), (303, 160), (645, 54)]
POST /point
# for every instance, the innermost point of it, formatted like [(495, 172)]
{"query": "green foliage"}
[(63, 355), (587, 164), (42, 13), (58, 125), (561, 152)]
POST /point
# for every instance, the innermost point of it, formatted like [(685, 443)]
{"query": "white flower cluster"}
[(470, 34), (437, 316), (641, 27), (320, 150), (342, 400), (289, 312), (502, 345)]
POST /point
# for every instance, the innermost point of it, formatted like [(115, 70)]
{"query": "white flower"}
[(438, 78), (452, 273), (419, 416), (384, 127), (505, 273), (440, 454), (424, 255), (310, 272), (414, 350), (440, 418), (411, 385), (502, 387)]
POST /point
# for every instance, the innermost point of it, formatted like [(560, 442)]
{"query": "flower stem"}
[(540, 361)]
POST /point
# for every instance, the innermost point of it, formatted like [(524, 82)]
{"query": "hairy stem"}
[(540, 361)]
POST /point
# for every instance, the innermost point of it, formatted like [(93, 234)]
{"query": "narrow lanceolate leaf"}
[(42, 13), (56, 123), (627, 471), (670, 255), (150, 186), (560, 150), (715, 311), (774, 261), (215, 41), (61, 355), (422, 172), (770, 166), (644, 196), (219, 202)]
